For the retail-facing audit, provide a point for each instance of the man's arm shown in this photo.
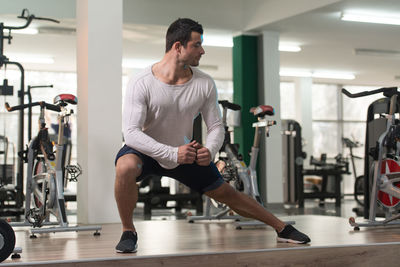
(215, 130)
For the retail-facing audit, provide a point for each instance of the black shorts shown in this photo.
(198, 178)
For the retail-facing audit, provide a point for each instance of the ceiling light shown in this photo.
(371, 18)
(218, 41)
(333, 75)
(289, 48)
(227, 41)
(377, 52)
(295, 73)
(317, 74)
(27, 58)
(30, 31)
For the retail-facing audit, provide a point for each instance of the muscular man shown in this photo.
(160, 106)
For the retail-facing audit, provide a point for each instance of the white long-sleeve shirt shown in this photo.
(158, 117)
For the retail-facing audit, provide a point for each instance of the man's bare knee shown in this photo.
(128, 167)
(224, 193)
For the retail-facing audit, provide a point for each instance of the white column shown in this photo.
(99, 58)
(303, 108)
(270, 95)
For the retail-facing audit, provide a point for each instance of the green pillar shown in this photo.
(245, 89)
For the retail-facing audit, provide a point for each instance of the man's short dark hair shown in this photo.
(181, 31)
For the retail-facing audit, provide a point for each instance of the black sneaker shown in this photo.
(128, 243)
(290, 234)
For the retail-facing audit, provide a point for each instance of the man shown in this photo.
(160, 105)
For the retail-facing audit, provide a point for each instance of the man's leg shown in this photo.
(128, 168)
(245, 205)
(248, 207)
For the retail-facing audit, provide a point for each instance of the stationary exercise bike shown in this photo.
(234, 170)
(45, 179)
(228, 170)
(385, 187)
(17, 191)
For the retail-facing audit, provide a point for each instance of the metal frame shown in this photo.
(52, 180)
(246, 174)
(381, 181)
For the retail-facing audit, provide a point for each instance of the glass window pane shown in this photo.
(287, 100)
(355, 131)
(325, 137)
(324, 102)
(225, 90)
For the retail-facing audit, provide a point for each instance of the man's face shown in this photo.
(193, 51)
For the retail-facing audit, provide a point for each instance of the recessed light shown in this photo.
(371, 18)
(376, 52)
(289, 47)
(30, 58)
(317, 74)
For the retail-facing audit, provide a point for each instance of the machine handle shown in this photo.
(229, 105)
(40, 103)
(385, 90)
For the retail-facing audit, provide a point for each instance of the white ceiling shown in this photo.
(327, 42)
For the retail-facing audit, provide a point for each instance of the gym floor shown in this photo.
(311, 207)
(169, 240)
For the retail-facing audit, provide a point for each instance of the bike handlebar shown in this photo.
(229, 105)
(27, 16)
(385, 90)
(40, 103)
(48, 19)
(28, 19)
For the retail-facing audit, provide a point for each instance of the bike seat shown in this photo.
(63, 99)
(262, 110)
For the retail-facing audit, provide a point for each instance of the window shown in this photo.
(287, 101)
(325, 119)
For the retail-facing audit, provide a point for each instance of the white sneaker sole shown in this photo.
(133, 251)
(285, 240)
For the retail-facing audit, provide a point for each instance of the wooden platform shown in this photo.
(178, 243)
